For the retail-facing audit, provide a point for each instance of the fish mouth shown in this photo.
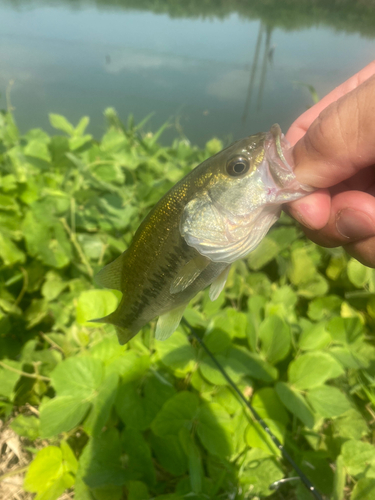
(278, 152)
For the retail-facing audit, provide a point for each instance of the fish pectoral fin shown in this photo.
(219, 283)
(168, 322)
(189, 273)
(110, 275)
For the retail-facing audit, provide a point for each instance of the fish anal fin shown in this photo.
(168, 322)
(189, 273)
(110, 275)
(219, 283)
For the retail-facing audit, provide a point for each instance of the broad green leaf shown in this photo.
(314, 337)
(93, 304)
(214, 428)
(259, 472)
(257, 437)
(351, 425)
(274, 335)
(192, 452)
(358, 458)
(177, 353)
(102, 405)
(139, 464)
(170, 454)
(137, 490)
(358, 274)
(324, 307)
(100, 463)
(78, 377)
(9, 378)
(328, 401)
(178, 412)
(132, 407)
(295, 403)
(345, 330)
(26, 426)
(267, 403)
(364, 489)
(312, 370)
(9, 252)
(50, 474)
(61, 414)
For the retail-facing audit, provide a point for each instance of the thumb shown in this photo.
(340, 142)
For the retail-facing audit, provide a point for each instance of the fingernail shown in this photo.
(354, 225)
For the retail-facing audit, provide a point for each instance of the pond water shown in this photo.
(226, 76)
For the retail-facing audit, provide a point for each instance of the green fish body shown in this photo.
(214, 216)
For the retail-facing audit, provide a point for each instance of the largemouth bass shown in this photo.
(214, 216)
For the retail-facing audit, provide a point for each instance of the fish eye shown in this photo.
(238, 166)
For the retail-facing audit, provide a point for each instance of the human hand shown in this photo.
(335, 153)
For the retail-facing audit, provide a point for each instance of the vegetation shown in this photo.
(342, 15)
(155, 419)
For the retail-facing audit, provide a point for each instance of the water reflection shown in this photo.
(227, 69)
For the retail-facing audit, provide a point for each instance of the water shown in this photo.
(77, 59)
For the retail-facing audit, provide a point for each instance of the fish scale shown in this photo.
(215, 215)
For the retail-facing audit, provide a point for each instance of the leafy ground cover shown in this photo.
(86, 418)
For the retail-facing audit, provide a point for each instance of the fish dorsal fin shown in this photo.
(189, 273)
(219, 283)
(168, 322)
(110, 275)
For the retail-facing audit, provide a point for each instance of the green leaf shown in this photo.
(274, 335)
(177, 353)
(313, 369)
(358, 274)
(93, 304)
(139, 463)
(259, 472)
(364, 489)
(61, 123)
(328, 401)
(102, 405)
(170, 454)
(178, 412)
(62, 414)
(214, 429)
(257, 437)
(9, 378)
(26, 426)
(78, 377)
(100, 464)
(194, 459)
(358, 457)
(351, 425)
(324, 307)
(267, 403)
(9, 252)
(132, 408)
(50, 474)
(137, 491)
(295, 403)
(314, 337)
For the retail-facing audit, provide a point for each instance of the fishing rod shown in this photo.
(307, 483)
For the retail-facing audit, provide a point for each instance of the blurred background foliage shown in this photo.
(95, 420)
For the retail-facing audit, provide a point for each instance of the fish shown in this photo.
(215, 215)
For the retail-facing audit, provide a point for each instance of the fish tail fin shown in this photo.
(124, 334)
(110, 275)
